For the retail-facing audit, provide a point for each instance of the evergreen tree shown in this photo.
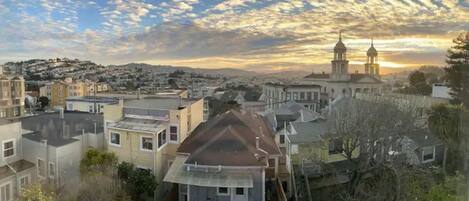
(458, 69)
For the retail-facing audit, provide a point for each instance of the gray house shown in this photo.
(423, 148)
(233, 157)
(56, 142)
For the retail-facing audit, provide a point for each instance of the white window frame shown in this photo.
(10, 189)
(223, 194)
(423, 155)
(28, 177)
(39, 170)
(158, 140)
(110, 139)
(169, 135)
(14, 148)
(152, 143)
(48, 169)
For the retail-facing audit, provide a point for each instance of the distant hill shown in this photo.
(212, 71)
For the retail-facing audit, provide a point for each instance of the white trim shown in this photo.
(223, 194)
(11, 189)
(14, 148)
(48, 169)
(158, 140)
(110, 139)
(141, 143)
(177, 134)
(38, 170)
(423, 155)
(22, 177)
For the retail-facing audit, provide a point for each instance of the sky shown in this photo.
(258, 35)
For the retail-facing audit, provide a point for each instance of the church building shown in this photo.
(340, 83)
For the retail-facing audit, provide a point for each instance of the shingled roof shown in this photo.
(230, 140)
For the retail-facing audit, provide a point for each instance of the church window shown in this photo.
(308, 95)
(302, 95)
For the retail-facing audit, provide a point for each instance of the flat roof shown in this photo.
(168, 103)
(145, 125)
(60, 131)
(98, 99)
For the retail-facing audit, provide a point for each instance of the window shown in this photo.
(282, 139)
(173, 133)
(161, 138)
(51, 169)
(41, 168)
(115, 139)
(316, 95)
(146, 143)
(335, 146)
(3, 113)
(302, 95)
(223, 191)
(288, 95)
(5, 191)
(24, 181)
(8, 148)
(239, 191)
(308, 95)
(295, 95)
(428, 154)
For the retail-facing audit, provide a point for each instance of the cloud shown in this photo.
(235, 33)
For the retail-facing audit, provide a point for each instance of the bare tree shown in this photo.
(374, 128)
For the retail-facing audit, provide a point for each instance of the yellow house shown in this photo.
(147, 132)
(57, 92)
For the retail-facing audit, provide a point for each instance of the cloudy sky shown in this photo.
(260, 35)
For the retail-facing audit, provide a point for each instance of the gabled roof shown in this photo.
(308, 132)
(424, 138)
(230, 140)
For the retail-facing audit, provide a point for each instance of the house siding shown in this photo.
(197, 193)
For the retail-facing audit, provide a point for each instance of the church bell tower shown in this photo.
(339, 66)
(371, 65)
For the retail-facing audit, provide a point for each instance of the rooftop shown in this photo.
(98, 99)
(308, 132)
(167, 103)
(145, 125)
(58, 131)
(230, 140)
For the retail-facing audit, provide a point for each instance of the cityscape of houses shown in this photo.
(205, 136)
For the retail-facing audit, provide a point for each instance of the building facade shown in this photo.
(12, 96)
(148, 131)
(59, 91)
(15, 171)
(340, 83)
(275, 95)
(90, 104)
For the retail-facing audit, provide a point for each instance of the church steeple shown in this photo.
(372, 66)
(340, 63)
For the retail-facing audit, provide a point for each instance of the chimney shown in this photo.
(257, 142)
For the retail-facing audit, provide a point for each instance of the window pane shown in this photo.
(115, 138)
(239, 191)
(222, 190)
(173, 129)
(147, 143)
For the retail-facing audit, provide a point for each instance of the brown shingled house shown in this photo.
(232, 157)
